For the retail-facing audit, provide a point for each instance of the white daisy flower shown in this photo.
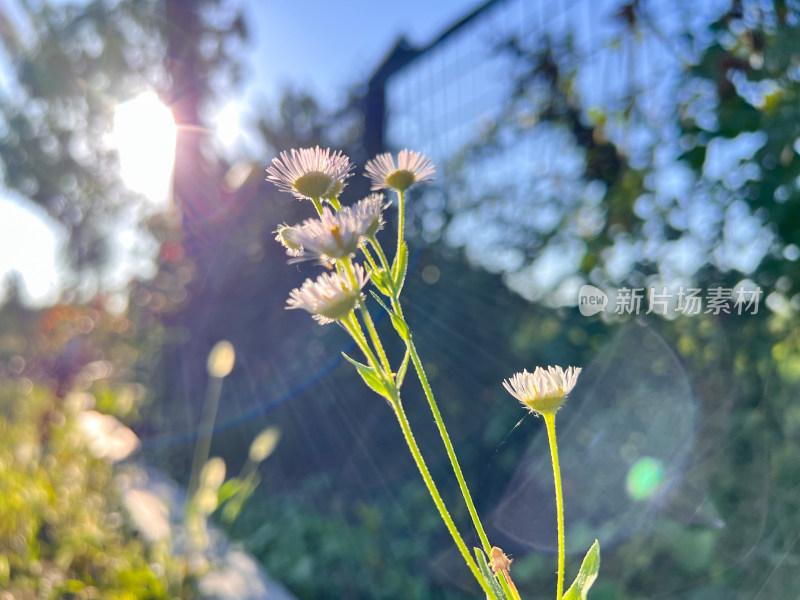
(329, 298)
(544, 390)
(369, 211)
(285, 236)
(334, 234)
(412, 167)
(310, 172)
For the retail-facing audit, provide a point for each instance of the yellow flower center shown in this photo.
(337, 236)
(401, 180)
(313, 185)
(545, 404)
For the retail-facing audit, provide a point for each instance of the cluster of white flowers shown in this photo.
(320, 174)
(334, 237)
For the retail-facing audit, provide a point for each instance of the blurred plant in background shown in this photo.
(65, 530)
(82, 519)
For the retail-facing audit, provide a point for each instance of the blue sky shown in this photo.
(326, 47)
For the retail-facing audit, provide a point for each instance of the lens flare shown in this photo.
(144, 135)
(645, 478)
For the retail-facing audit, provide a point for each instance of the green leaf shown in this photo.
(381, 281)
(401, 372)
(381, 302)
(399, 324)
(72, 586)
(490, 578)
(370, 377)
(233, 507)
(228, 489)
(587, 574)
(399, 267)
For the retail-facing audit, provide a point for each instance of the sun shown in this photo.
(144, 135)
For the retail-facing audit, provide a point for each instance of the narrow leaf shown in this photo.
(370, 377)
(401, 371)
(399, 324)
(399, 267)
(233, 507)
(587, 575)
(229, 489)
(381, 302)
(490, 577)
(382, 281)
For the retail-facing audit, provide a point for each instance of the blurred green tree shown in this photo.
(72, 64)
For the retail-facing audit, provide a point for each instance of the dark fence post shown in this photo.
(400, 56)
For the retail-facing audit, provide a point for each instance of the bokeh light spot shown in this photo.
(644, 478)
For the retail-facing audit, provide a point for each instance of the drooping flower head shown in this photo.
(544, 390)
(369, 211)
(329, 298)
(333, 235)
(412, 167)
(310, 172)
(285, 235)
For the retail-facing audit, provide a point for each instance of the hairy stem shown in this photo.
(448, 444)
(373, 333)
(381, 254)
(373, 265)
(550, 424)
(401, 218)
(437, 498)
(354, 329)
(437, 416)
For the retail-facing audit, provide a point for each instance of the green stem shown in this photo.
(401, 218)
(376, 341)
(437, 416)
(205, 431)
(437, 499)
(381, 254)
(335, 202)
(354, 329)
(550, 423)
(373, 265)
(395, 301)
(448, 444)
(317, 205)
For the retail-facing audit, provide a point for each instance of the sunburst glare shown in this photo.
(144, 135)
